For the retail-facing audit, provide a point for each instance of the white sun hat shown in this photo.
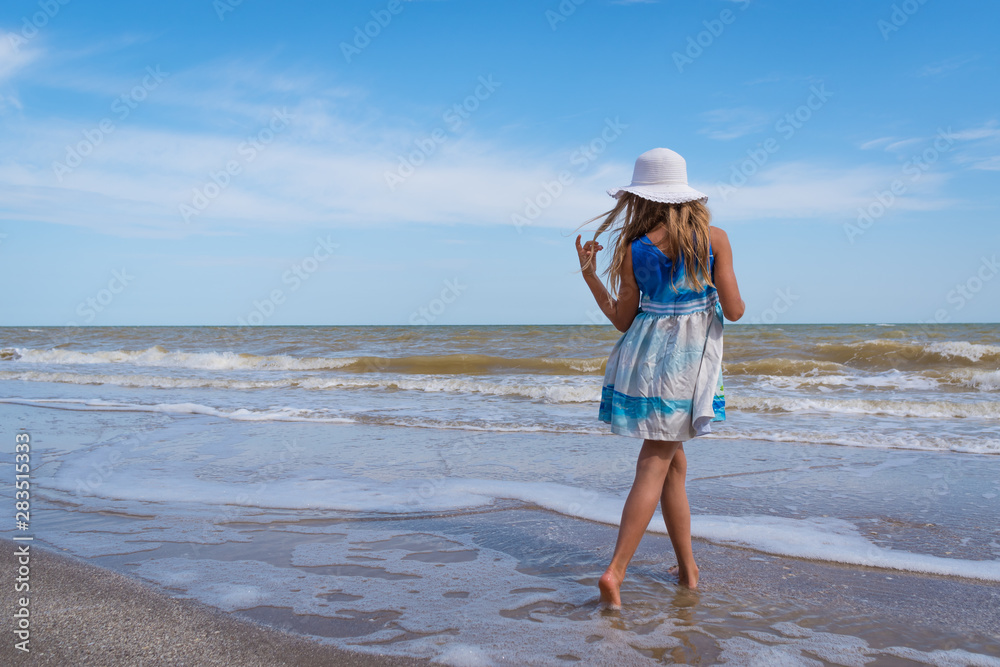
(661, 175)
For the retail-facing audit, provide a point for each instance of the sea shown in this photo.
(447, 492)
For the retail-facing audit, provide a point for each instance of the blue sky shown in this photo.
(203, 162)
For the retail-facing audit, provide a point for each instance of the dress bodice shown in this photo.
(658, 277)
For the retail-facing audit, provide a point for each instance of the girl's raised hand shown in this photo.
(588, 255)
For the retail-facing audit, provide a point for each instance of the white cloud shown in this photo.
(875, 143)
(14, 56)
(947, 65)
(903, 143)
(986, 131)
(991, 163)
(806, 191)
(733, 123)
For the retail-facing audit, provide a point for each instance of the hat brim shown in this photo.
(672, 194)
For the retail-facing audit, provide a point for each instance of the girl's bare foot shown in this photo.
(688, 579)
(610, 584)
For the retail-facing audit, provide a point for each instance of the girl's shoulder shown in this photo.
(718, 237)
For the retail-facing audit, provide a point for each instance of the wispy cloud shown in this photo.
(982, 145)
(733, 123)
(776, 77)
(944, 66)
(903, 144)
(875, 143)
(13, 57)
(991, 163)
(987, 131)
(813, 192)
(969, 148)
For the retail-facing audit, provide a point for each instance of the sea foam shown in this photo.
(184, 483)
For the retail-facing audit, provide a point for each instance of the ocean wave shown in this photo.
(894, 408)
(966, 350)
(890, 353)
(448, 364)
(869, 439)
(887, 380)
(743, 358)
(552, 393)
(988, 381)
(310, 415)
(239, 414)
(782, 366)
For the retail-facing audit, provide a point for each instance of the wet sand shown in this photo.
(87, 615)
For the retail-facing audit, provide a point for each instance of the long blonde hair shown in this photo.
(687, 228)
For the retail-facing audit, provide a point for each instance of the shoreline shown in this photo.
(87, 614)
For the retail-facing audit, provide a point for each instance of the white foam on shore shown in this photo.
(793, 644)
(830, 539)
(302, 483)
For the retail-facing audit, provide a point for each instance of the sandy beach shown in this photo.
(87, 615)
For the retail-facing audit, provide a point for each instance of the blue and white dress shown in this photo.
(664, 376)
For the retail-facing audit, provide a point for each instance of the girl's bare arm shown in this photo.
(620, 311)
(724, 276)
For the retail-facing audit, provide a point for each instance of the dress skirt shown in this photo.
(663, 379)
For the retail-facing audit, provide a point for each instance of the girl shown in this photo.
(673, 277)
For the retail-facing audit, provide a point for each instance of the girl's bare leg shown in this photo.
(650, 476)
(677, 517)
